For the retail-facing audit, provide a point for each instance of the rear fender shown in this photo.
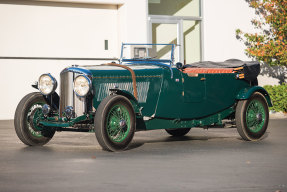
(247, 92)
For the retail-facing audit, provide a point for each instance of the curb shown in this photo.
(277, 115)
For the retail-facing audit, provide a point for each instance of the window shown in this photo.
(178, 22)
(174, 7)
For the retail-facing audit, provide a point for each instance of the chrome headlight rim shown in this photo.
(54, 83)
(89, 85)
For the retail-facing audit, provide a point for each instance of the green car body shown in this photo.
(166, 97)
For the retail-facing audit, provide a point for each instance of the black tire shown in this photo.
(254, 126)
(24, 124)
(103, 123)
(178, 132)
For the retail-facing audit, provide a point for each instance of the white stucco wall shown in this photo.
(124, 21)
(68, 31)
(221, 19)
(51, 31)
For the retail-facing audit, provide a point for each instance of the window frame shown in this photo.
(167, 19)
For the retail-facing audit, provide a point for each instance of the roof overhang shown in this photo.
(111, 2)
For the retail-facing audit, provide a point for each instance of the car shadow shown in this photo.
(137, 142)
(140, 142)
(38, 149)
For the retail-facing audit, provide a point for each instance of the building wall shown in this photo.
(221, 19)
(61, 30)
(65, 28)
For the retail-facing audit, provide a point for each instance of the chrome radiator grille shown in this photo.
(67, 95)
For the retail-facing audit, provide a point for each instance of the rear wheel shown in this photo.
(26, 121)
(252, 117)
(178, 132)
(115, 123)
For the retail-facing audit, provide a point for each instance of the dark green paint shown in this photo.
(194, 97)
(215, 119)
(246, 92)
(116, 75)
(133, 100)
(62, 122)
(172, 100)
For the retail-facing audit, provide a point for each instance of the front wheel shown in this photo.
(26, 121)
(115, 123)
(252, 117)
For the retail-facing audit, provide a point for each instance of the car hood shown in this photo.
(139, 69)
(104, 78)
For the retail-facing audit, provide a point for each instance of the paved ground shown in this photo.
(213, 160)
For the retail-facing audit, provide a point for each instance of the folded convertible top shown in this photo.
(251, 69)
(231, 63)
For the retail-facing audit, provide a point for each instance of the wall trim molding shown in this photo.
(113, 2)
(98, 4)
(59, 58)
(105, 2)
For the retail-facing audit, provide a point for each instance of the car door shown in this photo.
(194, 87)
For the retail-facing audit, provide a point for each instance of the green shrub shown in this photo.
(278, 94)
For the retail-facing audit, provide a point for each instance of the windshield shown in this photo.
(148, 52)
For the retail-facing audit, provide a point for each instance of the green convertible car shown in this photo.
(146, 90)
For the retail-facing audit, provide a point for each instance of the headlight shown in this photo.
(82, 85)
(47, 84)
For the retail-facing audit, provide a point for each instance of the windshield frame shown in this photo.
(168, 62)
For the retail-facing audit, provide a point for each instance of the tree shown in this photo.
(269, 45)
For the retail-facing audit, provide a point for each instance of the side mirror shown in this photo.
(179, 65)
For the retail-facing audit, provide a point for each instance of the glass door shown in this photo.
(192, 41)
(186, 34)
(167, 32)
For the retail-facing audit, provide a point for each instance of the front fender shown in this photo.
(247, 92)
(132, 99)
(53, 99)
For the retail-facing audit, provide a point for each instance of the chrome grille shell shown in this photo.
(67, 94)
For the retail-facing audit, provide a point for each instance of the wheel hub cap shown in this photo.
(122, 123)
(259, 117)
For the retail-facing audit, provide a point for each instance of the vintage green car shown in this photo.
(146, 90)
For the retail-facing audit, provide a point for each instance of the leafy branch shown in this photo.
(269, 45)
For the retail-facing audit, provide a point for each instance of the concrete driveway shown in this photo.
(204, 160)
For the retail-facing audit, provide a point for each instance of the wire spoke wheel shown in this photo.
(252, 117)
(26, 121)
(255, 116)
(115, 123)
(118, 123)
(33, 117)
